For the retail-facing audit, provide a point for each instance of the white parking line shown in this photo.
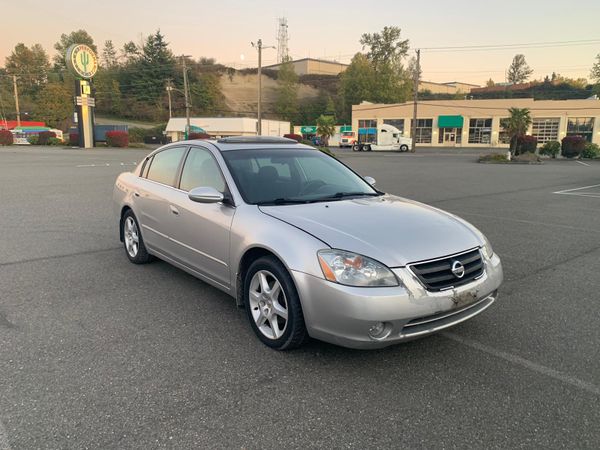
(580, 194)
(566, 191)
(107, 164)
(547, 371)
(3, 438)
(581, 162)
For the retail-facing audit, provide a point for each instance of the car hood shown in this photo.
(390, 229)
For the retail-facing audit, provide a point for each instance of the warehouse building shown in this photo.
(479, 123)
(312, 66)
(219, 127)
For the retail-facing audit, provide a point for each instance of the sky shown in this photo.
(330, 29)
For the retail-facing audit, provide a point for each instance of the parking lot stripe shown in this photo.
(547, 371)
(3, 438)
(566, 191)
(581, 162)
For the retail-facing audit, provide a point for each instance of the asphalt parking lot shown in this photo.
(96, 352)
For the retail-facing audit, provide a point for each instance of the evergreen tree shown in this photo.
(287, 92)
(109, 58)
(519, 71)
(54, 105)
(30, 65)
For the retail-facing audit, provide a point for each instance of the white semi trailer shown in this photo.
(389, 138)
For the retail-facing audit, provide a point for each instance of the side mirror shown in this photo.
(205, 195)
(370, 180)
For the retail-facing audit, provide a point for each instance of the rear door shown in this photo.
(154, 190)
(201, 231)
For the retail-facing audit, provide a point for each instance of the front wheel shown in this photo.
(273, 305)
(132, 240)
(404, 148)
(356, 148)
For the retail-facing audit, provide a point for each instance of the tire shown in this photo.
(368, 148)
(132, 240)
(404, 148)
(356, 148)
(265, 313)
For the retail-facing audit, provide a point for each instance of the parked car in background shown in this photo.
(306, 245)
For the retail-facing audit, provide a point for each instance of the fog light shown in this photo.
(379, 331)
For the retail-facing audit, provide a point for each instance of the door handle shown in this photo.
(174, 210)
(137, 194)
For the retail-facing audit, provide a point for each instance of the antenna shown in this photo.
(282, 40)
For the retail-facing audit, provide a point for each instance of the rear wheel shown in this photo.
(273, 306)
(132, 240)
(367, 148)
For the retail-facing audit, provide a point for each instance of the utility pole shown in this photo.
(413, 130)
(17, 100)
(169, 89)
(186, 93)
(259, 47)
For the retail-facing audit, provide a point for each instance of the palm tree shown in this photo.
(325, 128)
(517, 125)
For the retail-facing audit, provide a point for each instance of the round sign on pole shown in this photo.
(82, 61)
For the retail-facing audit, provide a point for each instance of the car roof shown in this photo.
(254, 143)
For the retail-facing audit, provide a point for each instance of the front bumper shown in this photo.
(343, 315)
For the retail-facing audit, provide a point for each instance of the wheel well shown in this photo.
(249, 257)
(123, 211)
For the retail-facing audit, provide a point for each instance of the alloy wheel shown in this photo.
(132, 238)
(268, 304)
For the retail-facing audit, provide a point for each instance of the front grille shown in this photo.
(437, 275)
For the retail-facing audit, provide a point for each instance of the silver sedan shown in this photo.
(304, 244)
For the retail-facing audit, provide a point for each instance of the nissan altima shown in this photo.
(304, 244)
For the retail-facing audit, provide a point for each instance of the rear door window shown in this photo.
(165, 165)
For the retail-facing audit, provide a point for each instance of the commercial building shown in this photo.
(479, 123)
(310, 131)
(452, 87)
(218, 127)
(312, 66)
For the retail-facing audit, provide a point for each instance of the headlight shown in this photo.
(488, 252)
(354, 270)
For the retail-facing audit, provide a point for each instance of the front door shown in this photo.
(450, 136)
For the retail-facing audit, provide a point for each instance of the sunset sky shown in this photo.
(330, 30)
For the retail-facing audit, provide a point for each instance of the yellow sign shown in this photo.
(82, 60)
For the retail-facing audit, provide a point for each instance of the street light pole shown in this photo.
(187, 98)
(259, 47)
(416, 75)
(169, 89)
(17, 100)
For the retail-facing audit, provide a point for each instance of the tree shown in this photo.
(385, 48)
(356, 84)
(517, 125)
(30, 65)
(490, 83)
(414, 69)
(595, 75)
(325, 128)
(286, 104)
(54, 105)
(108, 93)
(156, 64)
(66, 40)
(519, 71)
(109, 58)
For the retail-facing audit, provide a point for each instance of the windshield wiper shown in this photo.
(340, 195)
(283, 201)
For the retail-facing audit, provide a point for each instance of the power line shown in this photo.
(509, 46)
(427, 103)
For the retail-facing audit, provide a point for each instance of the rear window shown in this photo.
(165, 164)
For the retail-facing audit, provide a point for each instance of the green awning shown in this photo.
(345, 128)
(450, 121)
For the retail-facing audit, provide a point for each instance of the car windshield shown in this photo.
(288, 176)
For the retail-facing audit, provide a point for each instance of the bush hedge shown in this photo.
(526, 144)
(6, 137)
(494, 157)
(550, 148)
(198, 136)
(572, 146)
(44, 136)
(296, 137)
(33, 140)
(591, 151)
(117, 138)
(54, 141)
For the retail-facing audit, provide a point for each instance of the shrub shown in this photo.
(572, 146)
(54, 141)
(550, 148)
(33, 140)
(494, 157)
(74, 139)
(6, 137)
(117, 138)
(296, 137)
(192, 136)
(526, 144)
(591, 151)
(44, 136)
(137, 134)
